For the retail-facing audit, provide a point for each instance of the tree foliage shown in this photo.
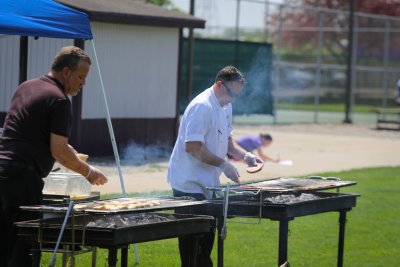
(163, 3)
(168, 4)
(382, 7)
(299, 25)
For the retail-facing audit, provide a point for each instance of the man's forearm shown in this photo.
(66, 155)
(200, 152)
(235, 150)
(71, 161)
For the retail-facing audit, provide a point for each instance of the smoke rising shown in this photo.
(137, 154)
(256, 97)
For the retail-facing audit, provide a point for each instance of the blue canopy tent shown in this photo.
(46, 18)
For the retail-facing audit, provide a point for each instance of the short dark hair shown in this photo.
(267, 137)
(71, 57)
(230, 74)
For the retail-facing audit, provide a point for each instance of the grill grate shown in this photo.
(289, 185)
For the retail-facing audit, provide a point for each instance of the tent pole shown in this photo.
(110, 128)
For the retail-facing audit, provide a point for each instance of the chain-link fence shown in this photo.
(310, 52)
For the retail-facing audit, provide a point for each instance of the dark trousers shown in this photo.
(17, 187)
(205, 243)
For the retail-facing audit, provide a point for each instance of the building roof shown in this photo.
(133, 12)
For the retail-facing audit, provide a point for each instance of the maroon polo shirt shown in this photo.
(39, 107)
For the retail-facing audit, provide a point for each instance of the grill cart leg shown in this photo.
(342, 225)
(94, 256)
(36, 255)
(135, 249)
(220, 256)
(65, 256)
(112, 257)
(124, 256)
(194, 247)
(220, 251)
(283, 241)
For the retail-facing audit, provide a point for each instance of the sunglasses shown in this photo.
(231, 93)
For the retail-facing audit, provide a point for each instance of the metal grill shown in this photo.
(282, 199)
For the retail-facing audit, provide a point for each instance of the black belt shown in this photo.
(16, 164)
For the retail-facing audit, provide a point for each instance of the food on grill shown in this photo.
(291, 184)
(129, 220)
(81, 206)
(119, 204)
(77, 197)
(256, 168)
(291, 198)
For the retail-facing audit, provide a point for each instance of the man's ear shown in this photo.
(66, 72)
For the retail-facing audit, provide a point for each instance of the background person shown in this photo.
(204, 140)
(397, 98)
(257, 143)
(35, 134)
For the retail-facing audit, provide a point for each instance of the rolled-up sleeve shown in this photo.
(198, 119)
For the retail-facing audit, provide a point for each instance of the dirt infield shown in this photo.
(313, 149)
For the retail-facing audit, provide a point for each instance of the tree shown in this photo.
(336, 24)
(163, 3)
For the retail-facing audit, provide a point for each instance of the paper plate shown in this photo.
(254, 169)
(286, 162)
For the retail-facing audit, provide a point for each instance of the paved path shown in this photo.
(312, 148)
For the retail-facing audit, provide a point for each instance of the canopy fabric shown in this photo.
(43, 18)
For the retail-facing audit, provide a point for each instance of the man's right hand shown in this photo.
(96, 177)
(230, 171)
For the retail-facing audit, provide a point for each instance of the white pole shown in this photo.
(110, 128)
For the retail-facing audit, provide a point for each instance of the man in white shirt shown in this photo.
(204, 140)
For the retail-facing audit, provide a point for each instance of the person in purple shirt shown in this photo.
(252, 142)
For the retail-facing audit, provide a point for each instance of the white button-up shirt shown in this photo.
(204, 120)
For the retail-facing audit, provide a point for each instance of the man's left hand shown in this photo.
(251, 159)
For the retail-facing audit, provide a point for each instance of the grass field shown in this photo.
(326, 107)
(372, 232)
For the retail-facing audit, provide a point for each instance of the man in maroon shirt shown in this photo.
(36, 131)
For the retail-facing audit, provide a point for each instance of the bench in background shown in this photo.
(388, 118)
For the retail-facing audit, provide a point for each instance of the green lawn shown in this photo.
(325, 107)
(372, 232)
